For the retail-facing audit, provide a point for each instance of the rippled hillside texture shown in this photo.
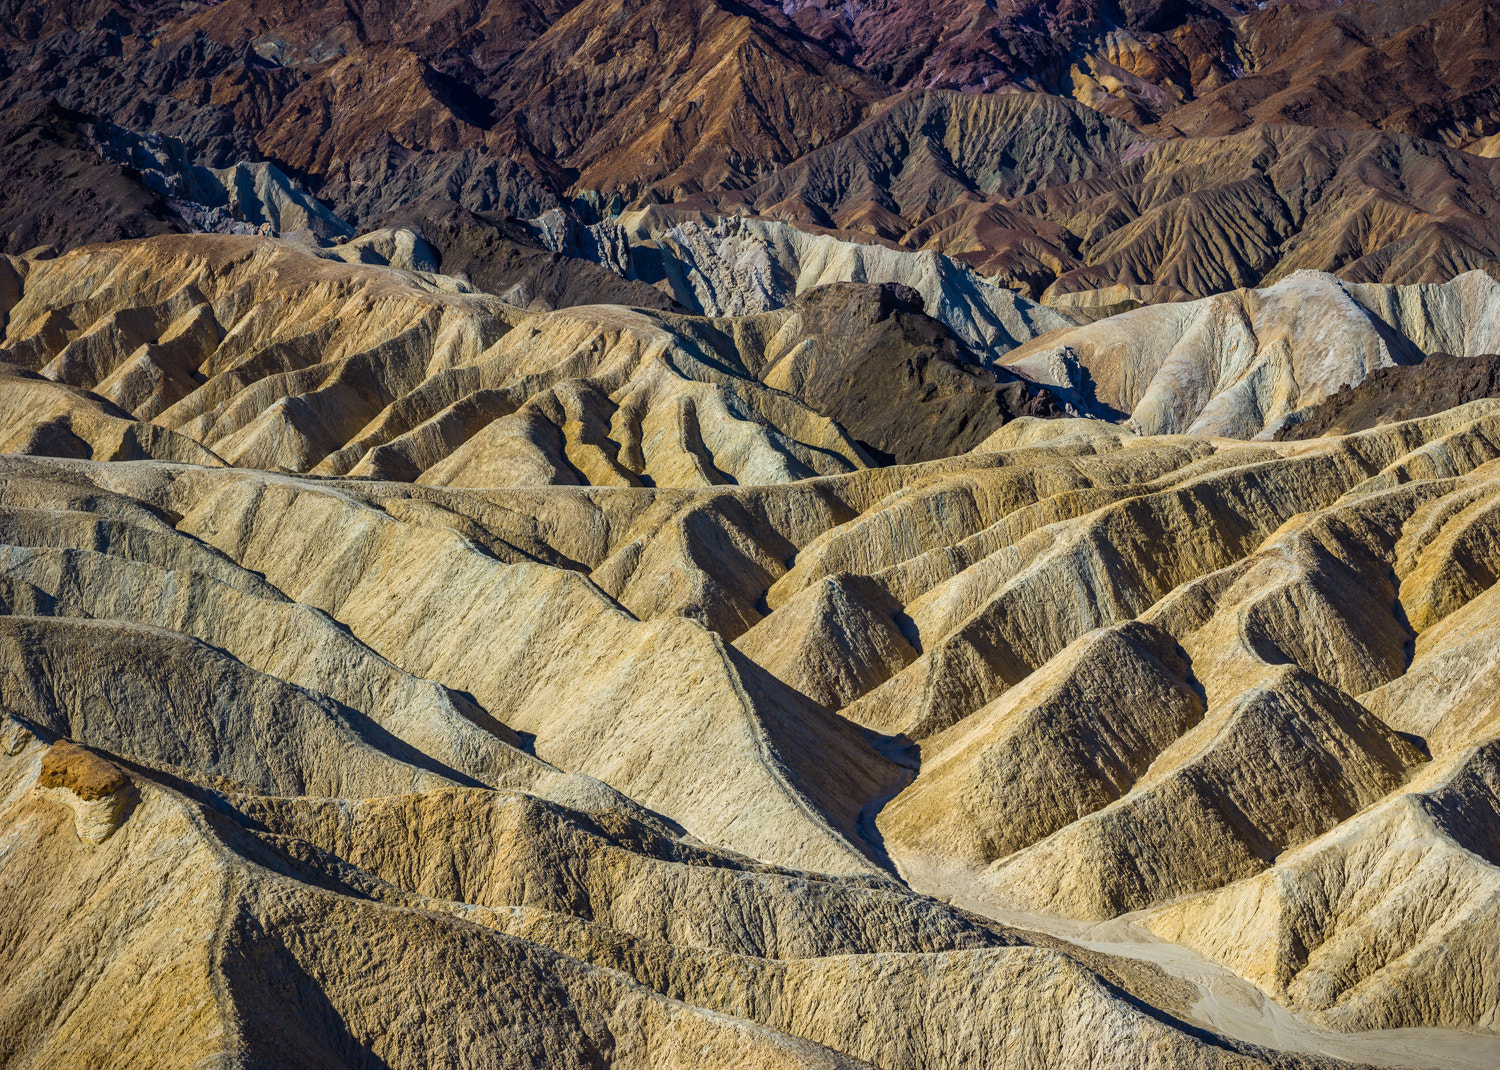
(659, 534)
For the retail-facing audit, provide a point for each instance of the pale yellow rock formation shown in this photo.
(472, 768)
(462, 925)
(1240, 363)
(353, 360)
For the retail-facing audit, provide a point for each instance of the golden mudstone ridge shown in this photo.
(1176, 747)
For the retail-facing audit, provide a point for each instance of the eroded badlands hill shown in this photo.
(360, 360)
(1061, 742)
(270, 354)
(693, 533)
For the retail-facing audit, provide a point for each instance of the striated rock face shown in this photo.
(1388, 395)
(1412, 66)
(901, 534)
(1202, 215)
(735, 267)
(896, 379)
(502, 257)
(1058, 147)
(544, 775)
(251, 952)
(359, 360)
(272, 355)
(934, 169)
(1242, 363)
(316, 829)
(55, 189)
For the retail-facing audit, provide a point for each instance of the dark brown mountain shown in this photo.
(1389, 395)
(1150, 52)
(920, 153)
(827, 116)
(896, 379)
(499, 255)
(1196, 67)
(55, 189)
(1182, 218)
(494, 104)
(1199, 216)
(1421, 67)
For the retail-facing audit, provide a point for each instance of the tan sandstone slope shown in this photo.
(1240, 363)
(340, 834)
(273, 355)
(1083, 748)
(357, 360)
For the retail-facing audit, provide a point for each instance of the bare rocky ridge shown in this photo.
(57, 190)
(272, 354)
(502, 257)
(1193, 147)
(1241, 363)
(1388, 395)
(1200, 216)
(908, 534)
(894, 378)
(659, 760)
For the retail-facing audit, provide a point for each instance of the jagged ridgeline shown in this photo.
(597, 683)
(703, 534)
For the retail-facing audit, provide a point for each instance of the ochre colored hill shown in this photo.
(419, 729)
(271, 354)
(599, 657)
(908, 534)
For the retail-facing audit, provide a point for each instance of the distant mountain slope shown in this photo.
(845, 120)
(1202, 216)
(270, 354)
(1420, 67)
(921, 152)
(1239, 363)
(1388, 395)
(56, 189)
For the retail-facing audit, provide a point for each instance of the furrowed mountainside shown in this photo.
(602, 662)
(340, 361)
(264, 354)
(668, 534)
(1388, 395)
(1156, 175)
(1240, 364)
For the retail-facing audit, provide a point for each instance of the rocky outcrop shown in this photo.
(504, 257)
(97, 791)
(55, 188)
(1240, 364)
(895, 379)
(1403, 392)
(241, 198)
(735, 267)
(279, 355)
